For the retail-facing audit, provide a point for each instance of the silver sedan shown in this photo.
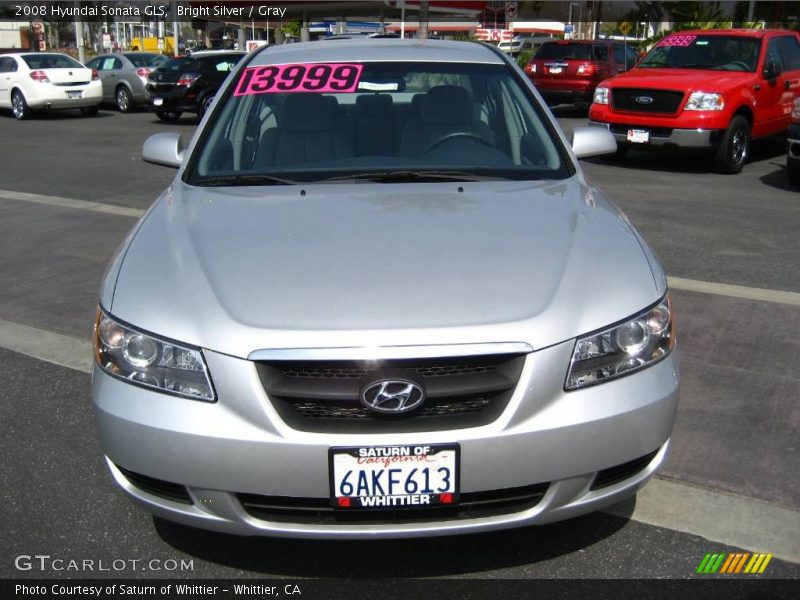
(124, 76)
(381, 299)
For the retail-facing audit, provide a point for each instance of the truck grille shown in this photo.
(662, 101)
(324, 396)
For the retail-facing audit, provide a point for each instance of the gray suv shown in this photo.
(381, 299)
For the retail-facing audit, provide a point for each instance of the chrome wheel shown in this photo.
(123, 100)
(206, 105)
(739, 146)
(18, 105)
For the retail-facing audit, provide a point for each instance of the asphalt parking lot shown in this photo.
(70, 189)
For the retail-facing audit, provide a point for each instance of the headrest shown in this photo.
(450, 104)
(416, 105)
(374, 105)
(305, 113)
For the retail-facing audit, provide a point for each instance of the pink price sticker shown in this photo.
(311, 77)
(678, 40)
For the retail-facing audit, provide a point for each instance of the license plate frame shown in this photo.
(74, 94)
(639, 136)
(556, 70)
(443, 455)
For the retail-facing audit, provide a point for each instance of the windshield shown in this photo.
(179, 65)
(146, 60)
(51, 61)
(389, 121)
(560, 50)
(715, 52)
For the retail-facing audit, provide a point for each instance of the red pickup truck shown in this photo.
(711, 89)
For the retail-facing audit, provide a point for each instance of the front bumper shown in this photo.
(239, 445)
(666, 137)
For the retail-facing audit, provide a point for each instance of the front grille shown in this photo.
(324, 396)
(664, 101)
(612, 475)
(158, 487)
(472, 505)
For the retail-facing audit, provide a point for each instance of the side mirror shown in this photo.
(593, 141)
(772, 70)
(164, 149)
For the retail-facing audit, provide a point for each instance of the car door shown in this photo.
(602, 56)
(108, 75)
(789, 80)
(772, 92)
(8, 68)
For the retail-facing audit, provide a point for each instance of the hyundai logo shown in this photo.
(644, 99)
(392, 396)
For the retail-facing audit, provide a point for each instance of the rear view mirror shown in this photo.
(164, 149)
(593, 141)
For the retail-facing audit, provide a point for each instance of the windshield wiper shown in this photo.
(399, 176)
(234, 180)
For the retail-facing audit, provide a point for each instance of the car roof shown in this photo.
(210, 53)
(378, 50)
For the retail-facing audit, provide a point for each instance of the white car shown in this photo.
(47, 81)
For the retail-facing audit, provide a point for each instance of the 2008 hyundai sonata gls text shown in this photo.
(381, 299)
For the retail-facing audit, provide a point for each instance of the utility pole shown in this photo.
(422, 32)
(79, 34)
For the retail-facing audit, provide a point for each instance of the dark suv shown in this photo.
(569, 70)
(188, 83)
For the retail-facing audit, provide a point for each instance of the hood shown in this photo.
(682, 80)
(241, 269)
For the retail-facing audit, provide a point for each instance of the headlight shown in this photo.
(151, 362)
(600, 95)
(705, 101)
(637, 343)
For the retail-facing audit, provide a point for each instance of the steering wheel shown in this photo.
(739, 63)
(457, 135)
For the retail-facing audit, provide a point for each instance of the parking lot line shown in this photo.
(734, 291)
(729, 519)
(48, 346)
(718, 517)
(112, 209)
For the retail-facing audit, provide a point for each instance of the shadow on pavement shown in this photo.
(687, 161)
(426, 557)
(779, 179)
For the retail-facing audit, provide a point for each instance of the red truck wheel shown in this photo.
(734, 148)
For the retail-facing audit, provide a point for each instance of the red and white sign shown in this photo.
(494, 35)
(251, 45)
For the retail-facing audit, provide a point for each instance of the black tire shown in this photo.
(734, 149)
(19, 106)
(169, 116)
(124, 99)
(793, 172)
(205, 104)
(89, 111)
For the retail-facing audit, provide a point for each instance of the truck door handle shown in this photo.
(756, 86)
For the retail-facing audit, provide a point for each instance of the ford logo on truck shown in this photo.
(644, 99)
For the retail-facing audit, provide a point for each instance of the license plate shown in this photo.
(638, 136)
(394, 477)
(556, 70)
(76, 94)
(158, 101)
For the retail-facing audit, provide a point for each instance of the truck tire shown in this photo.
(734, 148)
